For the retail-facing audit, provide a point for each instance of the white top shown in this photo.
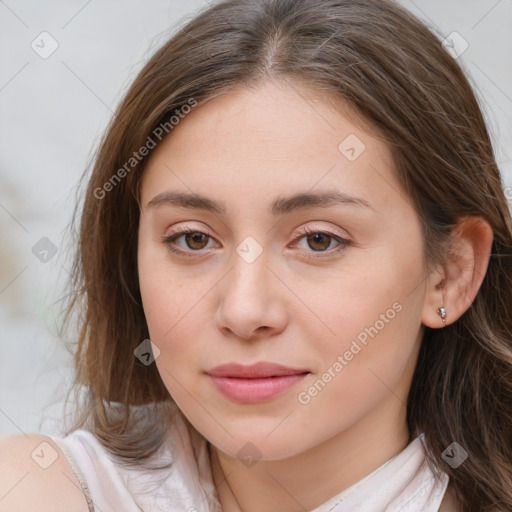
(188, 485)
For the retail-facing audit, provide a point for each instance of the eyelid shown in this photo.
(308, 230)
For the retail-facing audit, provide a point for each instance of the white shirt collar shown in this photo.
(394, 486)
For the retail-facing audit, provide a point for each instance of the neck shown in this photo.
(308, 479)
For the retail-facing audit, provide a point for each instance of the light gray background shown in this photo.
(52, 113)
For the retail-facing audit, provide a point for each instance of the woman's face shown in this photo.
(342, 306)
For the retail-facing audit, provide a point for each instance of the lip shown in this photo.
(254, 383)
(258, 370)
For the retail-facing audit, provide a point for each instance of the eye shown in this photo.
(196, 240)
(319, 241)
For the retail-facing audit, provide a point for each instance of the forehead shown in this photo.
(263, 142)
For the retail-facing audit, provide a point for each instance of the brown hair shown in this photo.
(378, 58)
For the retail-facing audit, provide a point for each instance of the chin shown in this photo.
(259, 447)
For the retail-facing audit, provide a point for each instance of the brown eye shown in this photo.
(196, 240)
(319, 241)
(315, 241)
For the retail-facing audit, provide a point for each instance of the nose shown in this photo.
(251, 303)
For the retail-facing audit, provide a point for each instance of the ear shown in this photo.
(455, 285)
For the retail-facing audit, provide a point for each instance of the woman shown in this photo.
(294, 274)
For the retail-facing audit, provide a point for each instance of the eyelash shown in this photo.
(305, 231)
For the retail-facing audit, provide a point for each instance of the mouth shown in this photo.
(254, 383)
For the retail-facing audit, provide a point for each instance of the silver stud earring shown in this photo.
(442, 313)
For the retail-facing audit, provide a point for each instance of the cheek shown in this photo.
(158, 288)
(369, 356)
(374, 336)
(357, 297)
(168, 310)
(173, 323)
(374, 314)
(173, 303)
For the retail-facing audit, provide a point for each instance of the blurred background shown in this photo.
(65, 67)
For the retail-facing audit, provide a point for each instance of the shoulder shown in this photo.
(449, 503)
(35, 475)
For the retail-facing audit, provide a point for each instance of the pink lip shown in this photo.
(254, 383)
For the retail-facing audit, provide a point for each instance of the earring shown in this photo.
(442, 313)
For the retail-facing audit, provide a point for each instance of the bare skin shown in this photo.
(301, 302)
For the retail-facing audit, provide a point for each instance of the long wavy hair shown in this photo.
(393, 70)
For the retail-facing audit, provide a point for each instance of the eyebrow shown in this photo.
(280, 206)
